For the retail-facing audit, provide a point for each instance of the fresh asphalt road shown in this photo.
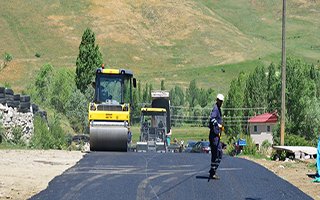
(131, 175)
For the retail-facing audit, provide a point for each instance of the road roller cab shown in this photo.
(109, 113)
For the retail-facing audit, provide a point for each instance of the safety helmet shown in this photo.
(220, 97)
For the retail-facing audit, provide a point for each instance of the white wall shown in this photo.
(261, 134)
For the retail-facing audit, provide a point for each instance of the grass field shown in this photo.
(181, 133)
(175, 41)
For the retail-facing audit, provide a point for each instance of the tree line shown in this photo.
(262, 88)
(69, 93)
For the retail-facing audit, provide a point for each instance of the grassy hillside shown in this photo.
(175, 41)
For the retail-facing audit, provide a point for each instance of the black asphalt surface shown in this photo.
(131, 175)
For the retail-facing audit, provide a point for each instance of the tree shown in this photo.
(255, 91)
(301, 94)
(42, 83)
(77, 111)
(162, 85)
(234, 120)
(139, 95)
(149, 93)
(273, 92)
(88, 60)
(192, 93)
(145, 94)
(203, 97)
(61, 88)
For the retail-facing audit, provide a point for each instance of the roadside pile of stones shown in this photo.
(17, 111)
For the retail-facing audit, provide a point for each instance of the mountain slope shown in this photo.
(175, 41)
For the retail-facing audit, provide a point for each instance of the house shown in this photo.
(261, 126)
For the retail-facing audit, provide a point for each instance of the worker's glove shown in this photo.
(221, 127)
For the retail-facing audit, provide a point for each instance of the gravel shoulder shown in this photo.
(25, 173)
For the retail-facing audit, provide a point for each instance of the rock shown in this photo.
(11, 118)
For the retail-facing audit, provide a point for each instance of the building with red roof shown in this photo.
(261, 126)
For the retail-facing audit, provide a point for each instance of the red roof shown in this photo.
(264, 118)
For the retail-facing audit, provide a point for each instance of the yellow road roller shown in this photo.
(109, 112)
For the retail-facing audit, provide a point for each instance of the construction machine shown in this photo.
(109, 113)
(153, 130)
(155, 123)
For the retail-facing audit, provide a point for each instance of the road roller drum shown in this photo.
(108, 138)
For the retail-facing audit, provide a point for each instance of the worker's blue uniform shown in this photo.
(214, 137)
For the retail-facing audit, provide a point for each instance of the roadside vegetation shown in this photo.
(66, 96)
(189, 40)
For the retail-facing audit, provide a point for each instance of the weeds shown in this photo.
(48, 136)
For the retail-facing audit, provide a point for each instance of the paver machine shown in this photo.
(153, 130)
(155, 123)
(109, 113)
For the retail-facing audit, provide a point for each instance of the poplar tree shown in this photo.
(192, 93)
(234, 120)
(88, 60)
(162, 87)
(255, 91)
(273, 91)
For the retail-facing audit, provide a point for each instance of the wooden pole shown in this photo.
(283, 78)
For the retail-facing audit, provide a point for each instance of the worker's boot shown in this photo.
(215, 176)
(212, 172)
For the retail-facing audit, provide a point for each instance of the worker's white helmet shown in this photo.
(220, 97)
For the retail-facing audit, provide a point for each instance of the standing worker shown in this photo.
(168, 137)
(129, 135)
(215, 125)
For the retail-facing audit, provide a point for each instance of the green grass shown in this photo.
(5, 145)
(184, 133)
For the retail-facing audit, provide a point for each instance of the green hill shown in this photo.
(175, 41)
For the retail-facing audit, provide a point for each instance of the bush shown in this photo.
(250, 148)
(278, 155)
(41, 138)
(48, 137)
(230, 147)
(1, 131)
(295, 140)
(60, 138)
(17, 134)
(77, 111)
(265, 147)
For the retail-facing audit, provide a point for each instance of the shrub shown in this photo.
(7, 57)
(250, 148)
(77, 111)
(61, 88)
(295, 140)
(59, 137)
(1, 131)
(230, 147)
(48, 137)
(281, 155)
(17, 134)
(265, 147)
(41, 138)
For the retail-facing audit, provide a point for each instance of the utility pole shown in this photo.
(283, 78)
